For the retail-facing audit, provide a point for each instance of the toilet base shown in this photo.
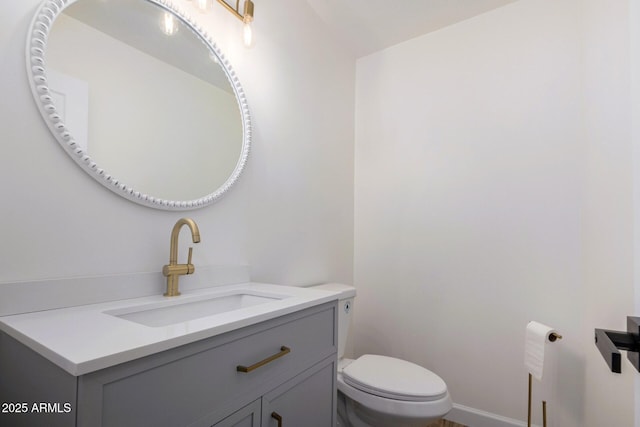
(353, 414)
(342, 412)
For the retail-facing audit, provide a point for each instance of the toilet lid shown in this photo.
(394, 379)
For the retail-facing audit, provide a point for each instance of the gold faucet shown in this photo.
(173, 270)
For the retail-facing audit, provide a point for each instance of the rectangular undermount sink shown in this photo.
(184, 309)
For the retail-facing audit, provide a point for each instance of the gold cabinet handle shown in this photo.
(277, 417)
(283, 350)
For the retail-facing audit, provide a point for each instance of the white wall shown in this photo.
(634, 13)
(493, 187)
(608, 206)
(58, 222)
(301, 204)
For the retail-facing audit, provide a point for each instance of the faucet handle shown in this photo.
(190, 255)
(190, 267)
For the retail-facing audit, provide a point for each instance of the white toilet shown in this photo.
(380, 391)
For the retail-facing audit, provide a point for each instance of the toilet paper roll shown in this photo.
(537, 336)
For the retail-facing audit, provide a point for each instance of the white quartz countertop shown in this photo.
(84, 339)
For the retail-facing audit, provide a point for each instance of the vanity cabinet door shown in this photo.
(249, 416)
(307, 400)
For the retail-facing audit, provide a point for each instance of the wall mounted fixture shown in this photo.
(246, 16)
(610, 342)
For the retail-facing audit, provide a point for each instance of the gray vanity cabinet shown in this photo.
(301, 401)
(199, 385)
(249, 416)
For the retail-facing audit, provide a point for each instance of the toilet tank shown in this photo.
(346, 295)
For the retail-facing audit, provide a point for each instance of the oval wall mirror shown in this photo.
(141, 98)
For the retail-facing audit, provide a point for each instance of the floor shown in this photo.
(444, 423)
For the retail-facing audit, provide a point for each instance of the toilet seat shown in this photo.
(393, 378)
(432, 409)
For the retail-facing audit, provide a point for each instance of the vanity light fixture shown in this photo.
(246, 16)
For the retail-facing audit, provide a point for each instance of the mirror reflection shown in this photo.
(145, 97)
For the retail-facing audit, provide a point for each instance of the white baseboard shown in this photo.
(476, 418)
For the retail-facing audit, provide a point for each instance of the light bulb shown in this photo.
(247, 18)
(247, 34)
(169, 25)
